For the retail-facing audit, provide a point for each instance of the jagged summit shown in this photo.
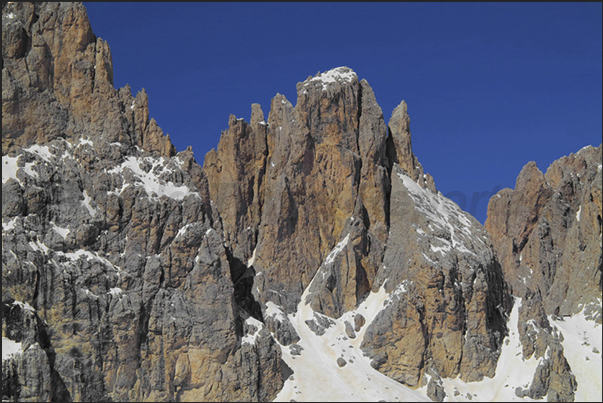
(310, 248)
(341, 75)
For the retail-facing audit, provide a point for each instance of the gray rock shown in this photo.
(282, 329)
(349, 330)
(296, 349)
(319, 323)
(436, 391)
(359, 321)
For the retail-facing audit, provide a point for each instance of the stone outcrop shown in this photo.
(448, 301)
(57, 82)
(325, 160)
(547, 233)
(553, 377)
(110, 237)
(132, 273)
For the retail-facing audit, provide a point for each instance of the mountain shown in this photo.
(309, 257)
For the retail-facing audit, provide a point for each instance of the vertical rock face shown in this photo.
(547, 233)
(109, 237)
(295, 180)
(132, 273)
(448, 298)
(57, 82)
(346, 208)
(326, 160)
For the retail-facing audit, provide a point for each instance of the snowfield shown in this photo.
(582, 348)
(318, 377)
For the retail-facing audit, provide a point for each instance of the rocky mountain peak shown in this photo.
(58, 83)
(400, 147)
(310, 246)
(339, 75)
(548, 227)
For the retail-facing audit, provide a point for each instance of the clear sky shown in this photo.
(489, 86)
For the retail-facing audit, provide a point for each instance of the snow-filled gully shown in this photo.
(318, 377)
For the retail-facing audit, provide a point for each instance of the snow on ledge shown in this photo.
(10, 348)
(25, 307)
(337, 249)
(275, 310)
(252, 337)
(153, 186)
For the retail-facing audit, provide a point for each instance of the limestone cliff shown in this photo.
(547, 236)
(324, 198)
(108, 236)
(547, 233)
(132, 273)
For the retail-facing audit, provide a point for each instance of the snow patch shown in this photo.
(441, 249)
(582, 348)
(251, 338)
(61, 231)
(25, 306)
(116, 292)
(150, 181)
(28, 169)
(41, 151)
(79, 254)
(578, 213)
(10, 348)
(39, 246)
(400, 289)
(9, 168)
(275, 310)
(86, 203)
(183, 230)
(341, 75)
(336, 250)
(252, 258)
(9, 225)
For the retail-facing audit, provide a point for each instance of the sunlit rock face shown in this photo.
(547, 233)
(310, 246)
(109, 237)
(346, 208)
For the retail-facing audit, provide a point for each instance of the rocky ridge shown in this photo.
(130, 272)
(109, 236)
(547, 235)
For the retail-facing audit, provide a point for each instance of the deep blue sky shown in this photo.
(489, 86)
